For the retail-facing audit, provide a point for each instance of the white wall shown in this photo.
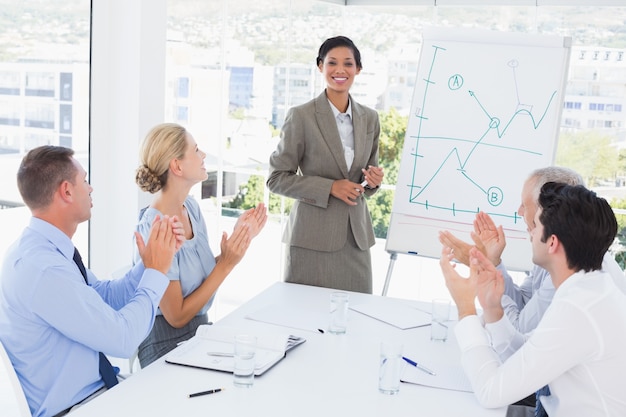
(127, 99)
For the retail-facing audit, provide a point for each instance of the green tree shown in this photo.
(619, 251)
(251, 193)
(238, 114)
(275, 131)
(392, 132)
(621, 162)
(590, 153)
(276, 201)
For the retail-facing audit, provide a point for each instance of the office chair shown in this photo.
(18, 403)
(133, 362)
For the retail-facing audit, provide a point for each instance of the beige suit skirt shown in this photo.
(348, 269)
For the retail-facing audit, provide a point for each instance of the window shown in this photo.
(233, 69)
(39, 116)
(65, 87)
(182, 114)
(9, 114)
(9, 83)
(65, 119)
(258, 35)
(44, 71)
(39, 84)
(183, 87)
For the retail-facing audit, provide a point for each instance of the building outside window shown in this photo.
(233, 69)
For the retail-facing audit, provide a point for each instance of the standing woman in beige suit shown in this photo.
(328, 148)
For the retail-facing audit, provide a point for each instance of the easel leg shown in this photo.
(392, 259)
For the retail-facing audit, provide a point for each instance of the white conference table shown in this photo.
(335, 375)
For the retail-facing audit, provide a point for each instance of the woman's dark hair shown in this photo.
(332, 43)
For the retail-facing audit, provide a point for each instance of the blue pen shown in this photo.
(418, 366)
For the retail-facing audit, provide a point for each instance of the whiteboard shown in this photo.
(485, 113)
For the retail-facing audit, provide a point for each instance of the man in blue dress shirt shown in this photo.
(55, 322)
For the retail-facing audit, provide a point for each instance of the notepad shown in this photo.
(300, 319)
(398, 314)
(446, 376)
(213, 346)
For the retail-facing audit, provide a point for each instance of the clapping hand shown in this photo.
(489, 285)
(458, 248)
(254, 218)
(178, 230)
(162, 244)
(489, 239)
(462, 289)
(233, 248)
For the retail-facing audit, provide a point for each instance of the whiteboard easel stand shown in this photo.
(392, 260)
(393, 256)
(482, 63)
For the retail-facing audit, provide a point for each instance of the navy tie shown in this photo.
(106, 369)
(539, 410)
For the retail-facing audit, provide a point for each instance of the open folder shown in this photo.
(213, 346)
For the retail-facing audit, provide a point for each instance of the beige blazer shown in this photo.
(308, 158)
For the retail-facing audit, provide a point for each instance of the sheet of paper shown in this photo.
(399, 314)
(448, 377)
(267, 340)
(205, 353)
(300, 319)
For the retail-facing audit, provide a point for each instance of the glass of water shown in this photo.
(245, 348)
(439, 325)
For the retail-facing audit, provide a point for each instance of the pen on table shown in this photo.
(211, 391)
(221, 354)
(418, 366)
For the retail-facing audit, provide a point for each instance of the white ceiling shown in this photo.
(479, 2)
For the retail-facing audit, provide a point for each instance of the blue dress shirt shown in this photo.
(53, 325)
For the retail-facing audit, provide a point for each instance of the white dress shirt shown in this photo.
(346, 131)
(525, 304)
(579, 348)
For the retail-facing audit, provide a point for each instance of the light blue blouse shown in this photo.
(194, 261)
